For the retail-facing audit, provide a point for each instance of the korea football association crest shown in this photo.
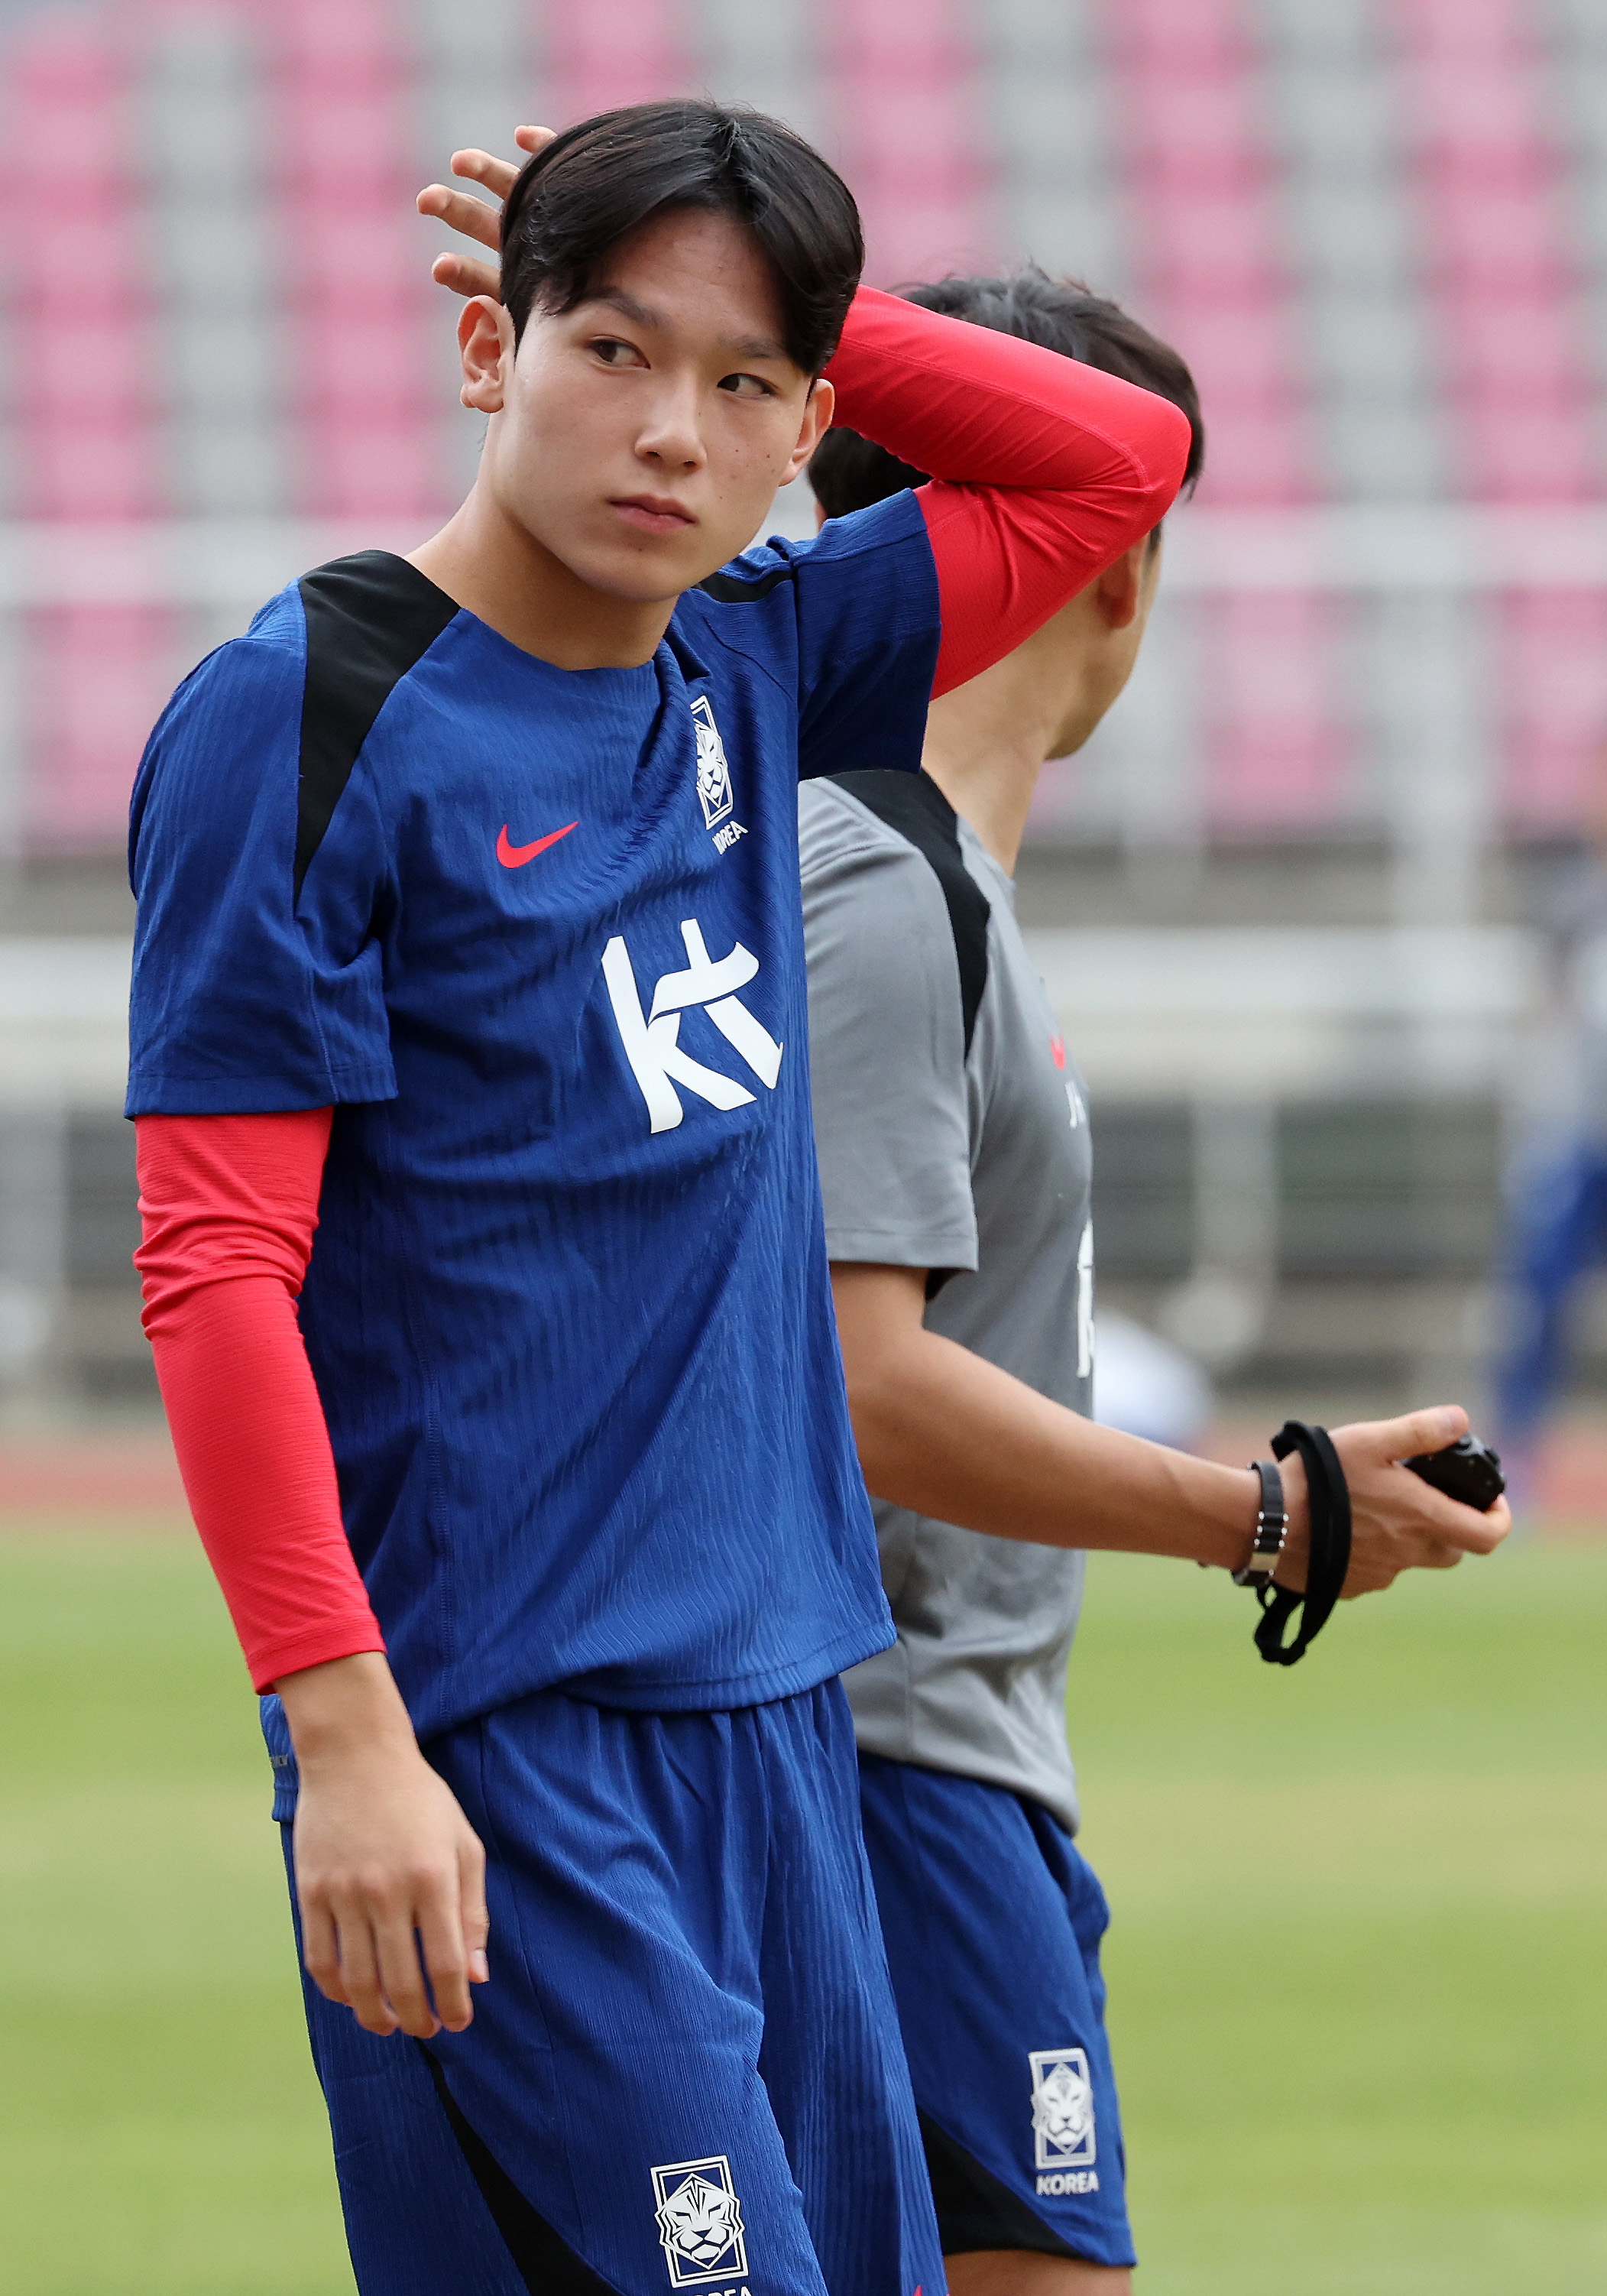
(700, 2221)
(1062, 2109)
(714, 774)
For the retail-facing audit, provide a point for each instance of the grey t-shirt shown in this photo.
(978, 1162)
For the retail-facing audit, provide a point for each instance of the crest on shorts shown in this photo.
(714, 774)
(1062, 2109)
(700, 2221)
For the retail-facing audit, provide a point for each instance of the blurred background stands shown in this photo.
(1286, 901)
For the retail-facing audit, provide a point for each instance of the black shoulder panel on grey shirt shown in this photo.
(916, 808)
(369, 619)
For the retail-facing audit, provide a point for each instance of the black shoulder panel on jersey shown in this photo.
(369, 619)
(916, 808)
(733, 590)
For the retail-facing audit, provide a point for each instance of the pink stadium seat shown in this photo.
(918, 153)
(360, 314)
(1222, 248)
(1278, 747)
(1553, 675)
(357, 35)
(1208, 234)
(1206, 229)
(1459, 33)
(337, 143)
(608, 51)
(84, 393)
(94, 469)
(1255, 462)
(99, 368)
(95, 678)
(1526, 452)
(1503, 278)
(368, 248)
(1501, 269)
(1533, 347)
(388, 466)
(903, 97)
(1198, 134)
(1246, 350)
(1506, 240)
(886, 38)
(1190, 36)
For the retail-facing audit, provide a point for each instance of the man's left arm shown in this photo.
(946, 1433)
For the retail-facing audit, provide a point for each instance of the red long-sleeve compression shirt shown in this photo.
(1044, 472)
(228, 1206)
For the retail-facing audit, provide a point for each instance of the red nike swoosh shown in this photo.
(515, 857)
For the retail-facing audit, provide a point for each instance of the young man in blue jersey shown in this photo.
(953, 1140)
(469, 941)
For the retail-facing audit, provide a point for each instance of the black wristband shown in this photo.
(1271, 1529)
(1328, 1506)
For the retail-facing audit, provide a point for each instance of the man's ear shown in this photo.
(485, 342)
(818, 409)
(1119, 589)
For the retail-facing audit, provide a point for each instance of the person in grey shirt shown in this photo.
(954, 1143)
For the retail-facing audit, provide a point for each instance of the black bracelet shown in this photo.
(1272, 1530)
(1328, 1506)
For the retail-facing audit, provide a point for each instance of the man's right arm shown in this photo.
(228, 1208)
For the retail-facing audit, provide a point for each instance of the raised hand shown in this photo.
(477, 220)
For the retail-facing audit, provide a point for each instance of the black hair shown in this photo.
(577, 199)
(848, 474)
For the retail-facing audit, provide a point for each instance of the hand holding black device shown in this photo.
(1466, 1470)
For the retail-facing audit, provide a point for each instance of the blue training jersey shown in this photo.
(535, 934)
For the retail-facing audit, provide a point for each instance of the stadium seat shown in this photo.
(368, 434)
(1193, 36)
(85, 409)
(94, 679)
(1198, 134)
(904, 96)
(1552, 679)
(1245, 349)
(611, 52)
(1276, 745)
(1223, 245)
(1499, 261)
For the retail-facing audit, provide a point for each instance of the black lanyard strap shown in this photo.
(1328, 1504)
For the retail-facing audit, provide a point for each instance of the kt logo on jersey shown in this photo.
(657, 1060)
(700, 2221)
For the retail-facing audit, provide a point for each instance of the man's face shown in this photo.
(640, 437)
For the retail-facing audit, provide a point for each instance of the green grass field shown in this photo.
(1358, 1967)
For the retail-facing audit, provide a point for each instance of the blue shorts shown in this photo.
(993, 1923)
(685, 2071)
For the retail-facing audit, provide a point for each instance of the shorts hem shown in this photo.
(980, 2211)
